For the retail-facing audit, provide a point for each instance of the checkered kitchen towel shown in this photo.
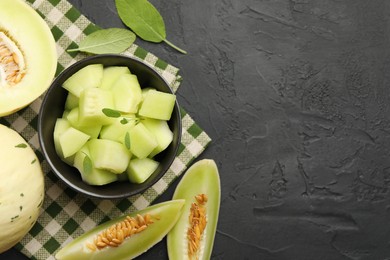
(67, 214)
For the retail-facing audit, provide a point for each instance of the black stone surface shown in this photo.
(295, 95)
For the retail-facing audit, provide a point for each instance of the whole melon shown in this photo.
(21, 188)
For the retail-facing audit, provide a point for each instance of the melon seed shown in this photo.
(12, 65)
(114, 235)
(197, 226)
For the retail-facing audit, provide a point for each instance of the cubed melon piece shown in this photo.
(87, 77)
(71, 141)
(127, 93)
(157, 105)
(145, 91)
(92, 103)
(65, 113)
(91, 130)
(73, 116)
(71, 101)
(139, 170)
(111, 74)
(109, 155)
(90, 174)
(142, 141)
(117, 129)
(162, 133)
(60, 127)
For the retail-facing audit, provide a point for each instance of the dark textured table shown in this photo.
(295, 95)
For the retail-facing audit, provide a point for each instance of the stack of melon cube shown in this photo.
(111, 128)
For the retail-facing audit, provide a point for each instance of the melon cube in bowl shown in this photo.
(139, 170)
(109, 155)
(157, 105)
(143, 141)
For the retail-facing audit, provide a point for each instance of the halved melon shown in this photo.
(21, 188)
(28, 56)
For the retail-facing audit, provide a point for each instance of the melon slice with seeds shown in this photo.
(193, 235)
(148, 227)
(28, 56)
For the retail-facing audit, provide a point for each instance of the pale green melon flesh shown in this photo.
(127, 93)
(71, 101)
(92, 176)
(73, 116)
(145, 92)
(116, 131)
(91, 130)
(87, 77)
(111, 74)
(92, 103)
(65, 114)
(109, 155)
(142, 141)
(60, 127)
(162, 133)
(21, 188)
(71, 141)
(157, 105)
(139, 170)
(33, 38)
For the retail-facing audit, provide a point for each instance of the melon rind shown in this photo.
(21, 188)
(33, 36)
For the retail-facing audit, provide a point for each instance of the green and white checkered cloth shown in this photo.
(65, 213)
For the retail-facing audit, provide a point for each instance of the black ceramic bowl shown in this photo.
(53, 107)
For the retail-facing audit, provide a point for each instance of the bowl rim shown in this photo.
(89, 60)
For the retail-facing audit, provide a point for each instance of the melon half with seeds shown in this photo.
(21, 187)
(28, 56)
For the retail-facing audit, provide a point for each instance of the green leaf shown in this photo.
(22, 145)
(144, 20)
(87, 164)
(127, 141)
(111, 112)
(124, 121)
(112, 40)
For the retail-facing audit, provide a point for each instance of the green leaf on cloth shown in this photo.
(111, 40)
